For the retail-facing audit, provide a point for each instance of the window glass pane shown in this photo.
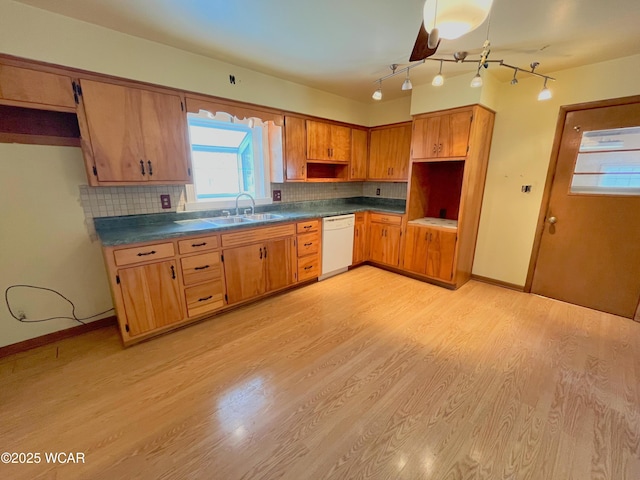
(215, 174)
(216, 136)
(608, 163)
(615, 139)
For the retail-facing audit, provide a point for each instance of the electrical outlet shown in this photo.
(377, 191)
(277, 195)
(165, 201)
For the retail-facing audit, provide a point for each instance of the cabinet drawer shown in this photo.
(128, 256)
(200, 244)
(204, 298)
(384, 218)
(308, 268)
(360, 217)
(254, 235)
(200, 268)
(310, 226)
(308, 244)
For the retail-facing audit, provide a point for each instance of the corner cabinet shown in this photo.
(136, 136)
(390, 152)
(450, 153)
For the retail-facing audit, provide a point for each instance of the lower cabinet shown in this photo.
(151, 296)
(360, 239)
(430, 252)
(385, 231)
(308, 242)
(255, 269)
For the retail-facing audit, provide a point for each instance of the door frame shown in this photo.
(551, 173)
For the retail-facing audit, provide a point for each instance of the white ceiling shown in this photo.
(343, 46)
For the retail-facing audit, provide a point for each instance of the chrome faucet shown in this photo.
(253, 203)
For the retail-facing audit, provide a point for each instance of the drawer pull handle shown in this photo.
(309, 267)
(205, 298)
(173, 272)
(308, 244)
(260, 253)
(265, 252)
(142, 168)
(150, 167)
(308, 226)
(202, 268)
(199, 244)
(142, 254)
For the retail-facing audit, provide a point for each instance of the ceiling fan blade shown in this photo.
(421, 48)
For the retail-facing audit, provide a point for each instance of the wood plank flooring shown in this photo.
(365, 375)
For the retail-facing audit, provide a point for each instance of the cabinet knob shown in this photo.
(552, 220)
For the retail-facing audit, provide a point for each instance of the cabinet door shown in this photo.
(340, 146)
(459, 129)
(400, 145)
(244, 272)
(31, 86)
(279, 263)
(295, 141)
(113, 118)
(318, 140)
(442, 247)
(424, 141)
(151, 296)
(416, 245)
(379, 155)
(164, 131)
(359, 242)
(359, 152)
(384, 243)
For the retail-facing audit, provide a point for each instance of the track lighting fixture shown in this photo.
(514, 80)
(377, 95)
(545, 93)
(438, 80)
(477, 80)
(406, 85)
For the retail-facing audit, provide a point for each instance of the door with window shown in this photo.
(590, 246)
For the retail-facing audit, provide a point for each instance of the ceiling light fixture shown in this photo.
(514, 80)
(406, 85)
(438, 80)
(477, 80)
(456, 17)
(545, 93)
(377, 95)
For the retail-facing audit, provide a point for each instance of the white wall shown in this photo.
(45, 242)
(520, 154)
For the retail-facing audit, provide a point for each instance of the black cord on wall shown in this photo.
(23, 319)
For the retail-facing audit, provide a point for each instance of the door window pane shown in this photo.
(608, 163)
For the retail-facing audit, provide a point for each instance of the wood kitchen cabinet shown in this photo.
(295, 151)
(360, 238)
(328, 142)
(258, 261)
(441, 135)
(35, 89)
(390, 152)
(385, 232)
(308, 249)
(137, 136)
(430, 252)
(151, 296)
(359, 154)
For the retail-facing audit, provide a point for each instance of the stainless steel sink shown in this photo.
(263, 216)
(228, 220)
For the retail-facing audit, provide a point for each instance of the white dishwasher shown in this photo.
(337, 244)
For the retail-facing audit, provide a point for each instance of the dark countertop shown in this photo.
(144, 228)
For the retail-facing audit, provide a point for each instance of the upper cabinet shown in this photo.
(359, 153)
(328, 142)
(295, 153)
(135, 135)
(22, 86)
(441, 135)
(390, 152)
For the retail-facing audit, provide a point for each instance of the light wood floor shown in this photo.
(366, 375)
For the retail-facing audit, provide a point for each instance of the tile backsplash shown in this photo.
(119, 201)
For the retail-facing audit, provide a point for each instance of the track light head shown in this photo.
(545, 93)
(476, 82)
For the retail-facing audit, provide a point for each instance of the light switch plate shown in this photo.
(165, 201)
